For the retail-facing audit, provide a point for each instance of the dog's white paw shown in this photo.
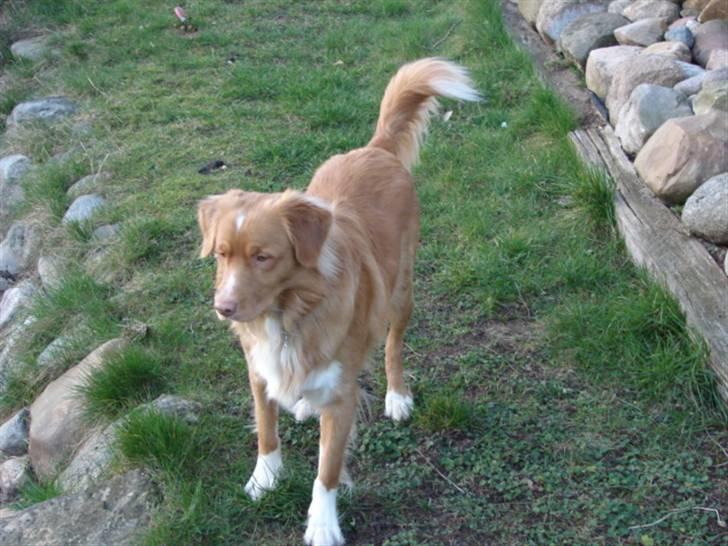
(398, 407)
(302, 410)
(264, 478)
(323, 524)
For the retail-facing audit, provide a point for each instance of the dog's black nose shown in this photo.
(226, 308)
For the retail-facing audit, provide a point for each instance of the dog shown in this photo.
(311, 281)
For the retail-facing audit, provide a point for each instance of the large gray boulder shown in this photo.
(710, 37)
(648, 107)
(57, 426)
(691, 86)
(602, 64)
(83, 208)
(706, 210)
(589, 32)
(14, 300)
(32, 49)
(555, 15)
(680, 34)
(713, 96)
(654, 69)
(12, 342)
(47, 109)
(683, 153)
(617, 6)
(114, 513)
(644, 9)
(641, 33)
(19, 248)
(50, 270)
(14, 434)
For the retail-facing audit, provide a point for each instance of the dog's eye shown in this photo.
(221, 254)
(261, 258)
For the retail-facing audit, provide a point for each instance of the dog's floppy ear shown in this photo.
(307, 223)
(207, 214)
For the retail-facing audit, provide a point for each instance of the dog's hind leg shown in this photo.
(269, 464)
(398, 402)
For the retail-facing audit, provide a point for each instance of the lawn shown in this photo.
(559, 397)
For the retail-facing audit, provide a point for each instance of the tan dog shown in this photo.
(311, 281)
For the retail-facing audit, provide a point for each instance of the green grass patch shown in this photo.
(34, 492)
(128, 378)
(445, 411)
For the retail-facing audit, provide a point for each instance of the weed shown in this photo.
(34, 492)
(445, 411)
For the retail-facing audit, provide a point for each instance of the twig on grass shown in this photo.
(721, 521)
(443, 476)
(446, 36)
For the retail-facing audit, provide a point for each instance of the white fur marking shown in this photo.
(457, 87)
(319, 387)
(302, 410)
(397, 406)
(323, 523)
(239, 221)
(267, 469)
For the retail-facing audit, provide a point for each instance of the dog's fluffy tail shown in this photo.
(410, 100)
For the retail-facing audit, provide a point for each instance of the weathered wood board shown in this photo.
(657, 240)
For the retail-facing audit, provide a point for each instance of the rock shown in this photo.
(681, 34)
(54, 352)
(725, 264)
(718, 59)
(648, 107)
(15, 299)
(57, 426)
(50, 271)
(100, 265)
(646, 9)
(714, 9)
(93, 459)
(591, 31)
(83, 208)
(12, 169)
(695, 5)
(681, 23)
(706, 210)
(14, 434)
(87, 184)
(19, 248)
(713, 96)
(555, 15)
(709, 37)
(617, 6)
(48, 109)
(601, 65)
(676, 50)
(691, 86)
(115, 512)
(13, 474)
(641, 33)
(32, 49)
(654, 69)
(682, 153)
(12, 341)
(176, 406)
(529, 10)
(105, 232)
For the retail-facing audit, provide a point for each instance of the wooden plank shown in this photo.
(657, 240)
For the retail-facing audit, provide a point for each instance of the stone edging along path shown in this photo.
(645, 98)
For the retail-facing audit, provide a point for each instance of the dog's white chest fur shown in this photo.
(276, 360)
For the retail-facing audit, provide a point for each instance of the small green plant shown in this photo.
(36, 491)
(126, 379)
(593, 193)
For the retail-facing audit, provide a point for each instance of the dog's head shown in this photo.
(264, 244)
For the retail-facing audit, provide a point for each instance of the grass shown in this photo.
(34, 491)
(560, 397)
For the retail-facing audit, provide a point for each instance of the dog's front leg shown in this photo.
(336, 423)
(269, 464)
